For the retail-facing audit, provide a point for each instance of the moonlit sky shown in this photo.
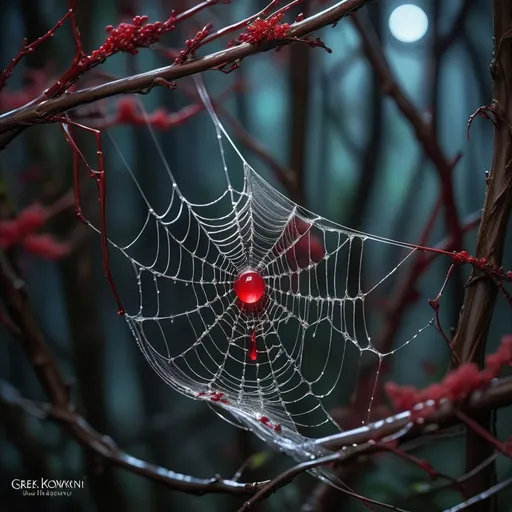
(408, 23)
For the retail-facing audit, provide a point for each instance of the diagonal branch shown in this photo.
(483, 496)
(481, 292)
(36, 113)
(63, 411)
(288, 475)
(105, 446)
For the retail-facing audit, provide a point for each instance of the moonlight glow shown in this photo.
(408, 23)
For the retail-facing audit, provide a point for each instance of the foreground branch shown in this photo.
(498, 394)
(143, 82)
(63, 411)
(481, 292)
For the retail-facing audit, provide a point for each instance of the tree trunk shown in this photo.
(481, 292)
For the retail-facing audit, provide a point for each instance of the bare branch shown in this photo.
(62, 410)
(483, 496)
(499, 394)
(105, 446)
(288, 475)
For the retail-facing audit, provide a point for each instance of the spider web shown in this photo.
(310, 328)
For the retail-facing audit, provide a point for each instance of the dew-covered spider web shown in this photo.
(245, 300)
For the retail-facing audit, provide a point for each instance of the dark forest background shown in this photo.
(359, 163)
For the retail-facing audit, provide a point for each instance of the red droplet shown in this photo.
(249, 287)
(216, 397)
(265, 421)
(252, 347)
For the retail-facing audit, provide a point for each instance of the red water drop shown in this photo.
(252, 347)
(249, 286)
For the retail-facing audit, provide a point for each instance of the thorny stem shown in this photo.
(29, 48)
(99, 177)
(434, 304)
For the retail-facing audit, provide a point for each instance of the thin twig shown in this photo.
(478, 429)
(483, 496)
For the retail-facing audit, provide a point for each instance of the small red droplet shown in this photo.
(249, 286)
(216, 397)
(252, 347)
(264, 420)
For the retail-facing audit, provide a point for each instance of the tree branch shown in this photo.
(499, 394)
(483, 496)
(39, 112)
(423, 130)
(361, 441)
(105, 446)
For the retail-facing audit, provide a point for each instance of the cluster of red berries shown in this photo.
(129, 37)
(20, 231)
(455, 387)
(193, 44)
(264, 30)
(462, 257)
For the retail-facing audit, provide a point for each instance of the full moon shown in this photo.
(408, 23)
